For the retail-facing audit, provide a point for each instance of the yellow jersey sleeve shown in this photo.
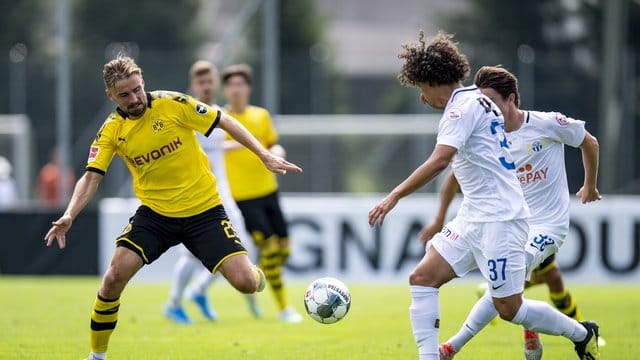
(199, 116)
(103, 147)
(270, 136)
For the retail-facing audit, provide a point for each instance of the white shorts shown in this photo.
(542, 243)
(496, 248)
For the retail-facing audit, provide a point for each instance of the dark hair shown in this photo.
(243, 70)
(498, 79)
(438, 63)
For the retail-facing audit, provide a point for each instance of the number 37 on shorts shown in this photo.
(497, 269)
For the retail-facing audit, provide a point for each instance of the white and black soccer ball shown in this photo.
(327, 300)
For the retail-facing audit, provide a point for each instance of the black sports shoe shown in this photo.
(587, 349)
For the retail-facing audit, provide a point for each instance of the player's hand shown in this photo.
(279, 165)
(378, 213)
(429, 231)
(587, 195)
(58, 231)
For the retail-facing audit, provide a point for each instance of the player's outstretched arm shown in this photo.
(590, 157)
(447, 194)
(438, 161)
(84, 190)
(244, 137)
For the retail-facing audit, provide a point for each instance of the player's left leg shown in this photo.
(212, 239)
(242, 274)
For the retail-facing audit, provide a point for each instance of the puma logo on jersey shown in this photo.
(156, 154)
(449, 233)
(527, 175)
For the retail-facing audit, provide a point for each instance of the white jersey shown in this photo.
(214, 148)
(538, 150)
(483, 166)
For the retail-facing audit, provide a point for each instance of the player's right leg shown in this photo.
(124, 264)
(146, 237)
(447, 256)
(549, 273)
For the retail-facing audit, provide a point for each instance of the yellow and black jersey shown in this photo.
(248, 177)
(171, 173)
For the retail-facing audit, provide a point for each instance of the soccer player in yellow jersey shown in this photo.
(154, 133)
(254, 189)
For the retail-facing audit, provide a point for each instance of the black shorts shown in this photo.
(209, 236)
(546, 264)
(263, 218)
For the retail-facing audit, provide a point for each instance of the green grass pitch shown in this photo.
(48, 318)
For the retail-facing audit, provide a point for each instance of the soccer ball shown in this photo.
(327, 300)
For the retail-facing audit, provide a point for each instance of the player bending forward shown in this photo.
(204, 80)
(154, 134)
(536, 140)
(490, 229)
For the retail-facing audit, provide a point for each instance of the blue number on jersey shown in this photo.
(495, 127)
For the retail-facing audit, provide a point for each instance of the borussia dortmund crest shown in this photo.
(157, 126)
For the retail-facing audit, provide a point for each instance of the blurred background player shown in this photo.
(490, 230)
(154, 134)
(8, 188)
(48, 181)
(536, 141)
(254, 189)
(203, 83)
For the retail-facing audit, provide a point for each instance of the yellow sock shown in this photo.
(284, 255)
(270, 263)
(564, 302)
(103, 320)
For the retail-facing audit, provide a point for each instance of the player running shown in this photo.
(203, 82)
(257, 194)
(490, 229)
(154, 134)
(536, 140)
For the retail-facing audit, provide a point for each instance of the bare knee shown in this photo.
(425, 278)
(113, 283)
(508, 307)
(241, 274)
(432, 271)
(124, 264)
(245, 281)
